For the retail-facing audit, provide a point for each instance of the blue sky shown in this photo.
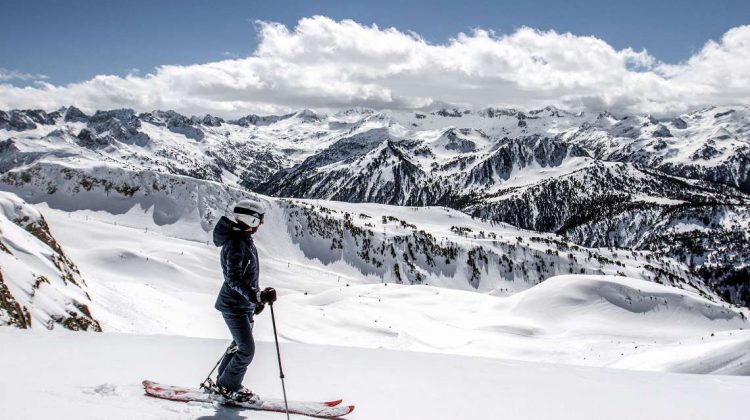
(72, 41)
(232, 58)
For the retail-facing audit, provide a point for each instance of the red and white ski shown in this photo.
(325, 410)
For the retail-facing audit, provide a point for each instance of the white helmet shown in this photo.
(249, 212)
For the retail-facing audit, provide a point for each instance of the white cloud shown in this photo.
(7, 75)
(322, 63)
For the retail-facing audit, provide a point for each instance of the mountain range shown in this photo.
(675, 191)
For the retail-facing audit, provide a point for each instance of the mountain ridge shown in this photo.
(549, 170)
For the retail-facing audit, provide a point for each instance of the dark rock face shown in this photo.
(257, 120)
(90, 140)
(123, 116)
(449, 113)
(398, 180)
(187, 131)
(706, 152)
(119, 124)
(175, 122)
(519, 153)
(8, 155)
(8, 146)
(42, 118)
(459, 144)
(626, 128)
(372, 167)
(16, 120)
(662, 131)
(291, 182)
(501, 112)
(679, 123)
(28, 119)
(208, 120)
(73, 114)
(723, 114)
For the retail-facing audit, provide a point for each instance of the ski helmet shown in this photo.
(248, 212)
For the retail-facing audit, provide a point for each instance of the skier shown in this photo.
(240, 297)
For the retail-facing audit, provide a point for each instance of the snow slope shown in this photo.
(40, 287)
(151, 270)
(434, 245)
(98, 376)
(144, 279)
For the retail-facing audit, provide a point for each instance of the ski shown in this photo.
(325, 410)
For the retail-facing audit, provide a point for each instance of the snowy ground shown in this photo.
(146, 280)
(546, 352)
(98, 376)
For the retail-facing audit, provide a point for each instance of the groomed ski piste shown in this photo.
(573, 346)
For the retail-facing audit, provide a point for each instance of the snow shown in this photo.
(167, 285)
(288, 140)
(636, 135)
(36, 275)
(393, 350)
(534, 173)
(657, 200)
(99, 375)
(574, 346)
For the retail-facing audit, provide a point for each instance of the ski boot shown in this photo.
(242, 395)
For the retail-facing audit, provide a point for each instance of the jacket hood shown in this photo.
(226, 229)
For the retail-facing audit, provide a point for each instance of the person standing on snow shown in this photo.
(240, 297)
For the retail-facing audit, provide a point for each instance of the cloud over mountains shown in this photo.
(322, 63)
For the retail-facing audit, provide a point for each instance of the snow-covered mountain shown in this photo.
(710, 144)
(676, 188)
(510, 242)
(40, 287)
(412, 245)
(148, 276)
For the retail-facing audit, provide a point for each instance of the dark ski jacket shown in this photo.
(239, 262)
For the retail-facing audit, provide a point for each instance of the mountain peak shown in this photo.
(308, 115)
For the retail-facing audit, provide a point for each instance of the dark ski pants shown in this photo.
(232, 369)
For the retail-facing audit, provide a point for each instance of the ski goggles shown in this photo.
(249, 217)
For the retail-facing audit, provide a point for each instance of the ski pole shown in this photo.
(231, 349)
(278, 356)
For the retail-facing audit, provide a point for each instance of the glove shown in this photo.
(254, 296)
(259, 308)
(268, 295)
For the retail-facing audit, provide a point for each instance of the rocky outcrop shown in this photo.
(73, 114)
(21, 120)
(44, 289)
(175, 122)
(119, 125)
